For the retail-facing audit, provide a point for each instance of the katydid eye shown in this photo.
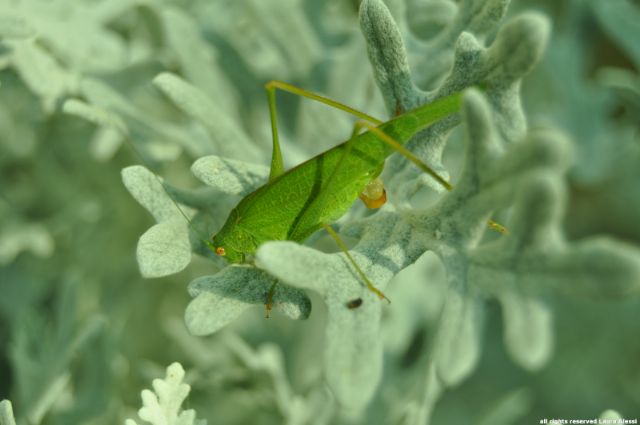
(220, 251)
(213, 238)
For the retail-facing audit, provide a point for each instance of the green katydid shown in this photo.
(294, 204)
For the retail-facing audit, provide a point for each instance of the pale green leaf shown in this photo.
(148, 190)
(229, 176)
(164, 249)
(221, 298)
(94, 114)
(226, 134)
(14, 26)
(6, 413)
(163, 405)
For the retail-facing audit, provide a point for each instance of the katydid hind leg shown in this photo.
(424, 167)
(398, 147)
(365, 121)
(271, 86)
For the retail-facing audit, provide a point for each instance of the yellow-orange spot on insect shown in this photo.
(374, 203)
(220, 251)
(373, 195)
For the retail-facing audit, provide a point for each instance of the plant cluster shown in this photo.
(483, 328)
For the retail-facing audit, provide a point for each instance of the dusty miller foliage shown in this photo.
(174, 85)
(162, 406)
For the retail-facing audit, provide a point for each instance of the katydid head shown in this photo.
(233, 242)
(225, 250)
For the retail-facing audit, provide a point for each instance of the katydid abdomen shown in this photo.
(301, 200)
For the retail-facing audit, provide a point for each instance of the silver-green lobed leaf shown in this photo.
(221, 298)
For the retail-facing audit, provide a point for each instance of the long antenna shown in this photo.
(146, 163)
(104, 118)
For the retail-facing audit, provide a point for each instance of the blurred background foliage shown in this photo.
(81, 333)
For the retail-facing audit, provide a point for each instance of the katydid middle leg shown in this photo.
(345, 250)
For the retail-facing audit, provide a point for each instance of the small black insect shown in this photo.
(354, 303)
